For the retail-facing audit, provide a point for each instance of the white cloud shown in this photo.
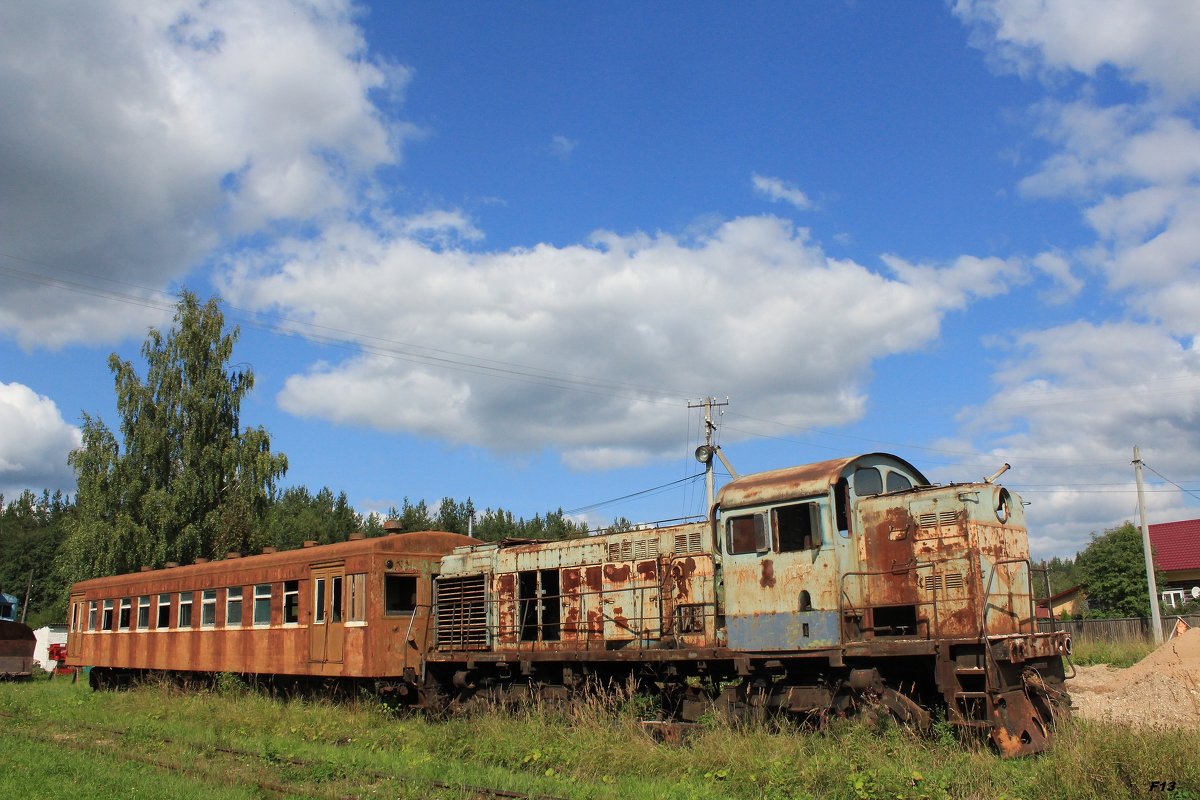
(1070, 404)
(563, 147)
(35, 444)
(750, 309)
(777, 190)
(1150, 41)
(138, 137)
(1074, 399)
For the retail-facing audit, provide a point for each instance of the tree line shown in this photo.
(186, 479)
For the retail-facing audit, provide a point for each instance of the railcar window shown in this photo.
(400, 594)
(747, 534)
(262, 604)
(867, 482)
(126, 612)
(185, 610)
(92, 616)
(208, 608)
(798, 527)
(319, 601)
(897, 482)
(144, 612)
(291, 602)
(335, 599)
(357, 585)
(233, 606)
(107, 623)
(164, 611)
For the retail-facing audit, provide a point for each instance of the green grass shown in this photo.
(1118, 654)
(64, 740)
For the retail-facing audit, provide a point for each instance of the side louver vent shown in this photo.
(632, 549)
(688, 542)
(941, 583)
(934, 519)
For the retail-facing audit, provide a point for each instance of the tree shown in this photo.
(191, 482)
(297, 515)
(1113, 568)
(32, 529)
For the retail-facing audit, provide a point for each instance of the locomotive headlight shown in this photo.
(704, 453)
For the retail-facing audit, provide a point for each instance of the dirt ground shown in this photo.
(1161, 691)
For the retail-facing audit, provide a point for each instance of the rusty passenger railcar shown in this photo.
(354, 610)
(811, 589)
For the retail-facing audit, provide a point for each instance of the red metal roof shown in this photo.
(1176, 545)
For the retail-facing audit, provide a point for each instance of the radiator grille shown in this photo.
(462, 613)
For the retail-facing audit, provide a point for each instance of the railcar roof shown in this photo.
(808, 480)
(417, 543)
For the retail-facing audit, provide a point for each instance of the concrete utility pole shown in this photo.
(1155, 617)
(704, 453)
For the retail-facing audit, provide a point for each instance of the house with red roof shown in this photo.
(1176, 547)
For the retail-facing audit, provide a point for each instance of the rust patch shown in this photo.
(647, 570)
(591, 577)
(595, 621)
(571, 581)
(681, 574)
(615, 574)
(767, 581)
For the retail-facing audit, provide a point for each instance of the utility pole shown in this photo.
(704, 453)
(1155, 617)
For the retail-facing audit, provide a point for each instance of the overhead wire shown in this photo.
(463, 362)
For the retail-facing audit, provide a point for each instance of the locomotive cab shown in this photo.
(787, 547)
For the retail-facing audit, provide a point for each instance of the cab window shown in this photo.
(798, 527)
(747, 534)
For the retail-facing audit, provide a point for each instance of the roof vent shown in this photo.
(393, 526)
(200, 561)
(357, 536)
(233, 554)
(310, 542)
(171, 564)
(145, 568)
(268, 550)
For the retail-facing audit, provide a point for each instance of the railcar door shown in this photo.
(780, 576)
(327, 631)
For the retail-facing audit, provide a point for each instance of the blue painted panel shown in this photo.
(783, 630)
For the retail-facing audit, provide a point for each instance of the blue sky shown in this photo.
(493, 249)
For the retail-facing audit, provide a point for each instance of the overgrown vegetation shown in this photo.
(1117, 654)
(231, 743)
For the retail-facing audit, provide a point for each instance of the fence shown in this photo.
(1116, 630)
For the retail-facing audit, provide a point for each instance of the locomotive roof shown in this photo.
(808, 480)
(432, 543)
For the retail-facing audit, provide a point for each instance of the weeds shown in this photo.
(228, 743)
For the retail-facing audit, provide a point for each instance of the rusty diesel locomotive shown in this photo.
(830, 588)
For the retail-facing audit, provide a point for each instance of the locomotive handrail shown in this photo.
(987, 591)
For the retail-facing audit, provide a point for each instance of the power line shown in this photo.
(1168, 480)
(643, 492)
